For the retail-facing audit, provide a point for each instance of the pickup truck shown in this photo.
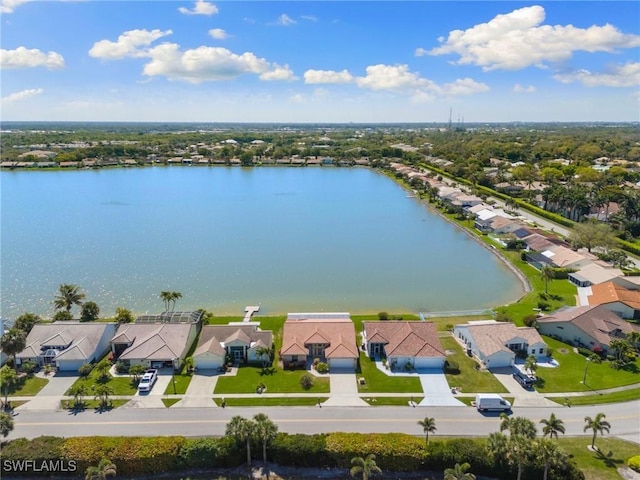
(148, 380)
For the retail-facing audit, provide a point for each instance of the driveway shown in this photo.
(200, 391)
(50, 396)
(344, 389)
(152, 399)
(437, 392)
(522, 396)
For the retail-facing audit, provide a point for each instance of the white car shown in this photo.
(148, 380)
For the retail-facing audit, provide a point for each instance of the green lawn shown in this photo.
(27, 386)
(278, 381)
(599, 466)
(395, 401)
(469, 380)
(615, 397)
(168, 402)
(91, 404)
(378, 382)
(567, 377)
(272, 402)
(182, 382)
(120, 385)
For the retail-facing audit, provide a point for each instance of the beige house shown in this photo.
(621, 301)
(241, 342)
(330, 337)
(404, 343)
(496, 344)
(589, 327)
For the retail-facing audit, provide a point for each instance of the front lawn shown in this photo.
(90, 405)
(27, 386)
(567, 377)
(615, 397)
(249, 378)
(601, 465)
(378, 382)
(168, 402)
(182, 382)
(120, 385)
(469, 380)
(392, 401)
(272, 402)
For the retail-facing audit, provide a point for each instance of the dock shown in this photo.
(248, 312)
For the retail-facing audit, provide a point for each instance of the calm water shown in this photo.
(287, 239)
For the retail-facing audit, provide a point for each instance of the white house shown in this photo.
(495, 344)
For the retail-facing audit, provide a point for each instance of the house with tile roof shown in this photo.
(496, 344)
(620, 300)
(404, 343)
(67, 345)
(586, 326)
(330, 337)
(594, 274)
(154, 345)
(238, 341)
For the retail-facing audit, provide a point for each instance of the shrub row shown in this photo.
(154, 455)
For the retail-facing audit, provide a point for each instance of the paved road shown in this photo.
(451, 421)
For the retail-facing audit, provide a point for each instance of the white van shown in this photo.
(486, 402)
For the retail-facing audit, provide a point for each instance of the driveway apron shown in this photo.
(152, 399)
(50, 396)
(344, 390)
(200, 391)
(522, 396)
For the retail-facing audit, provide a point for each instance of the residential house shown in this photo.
(404, 343)
(330, 337)
(594, 274)
(67, 345)
(157, 341)
(238, 341)
(623, 302)
(586, 326)
(496, 344)
(563, 257)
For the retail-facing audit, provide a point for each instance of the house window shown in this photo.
(294, 358)
(541, 350)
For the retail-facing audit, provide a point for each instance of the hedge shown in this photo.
(634, 463)
(300, 450)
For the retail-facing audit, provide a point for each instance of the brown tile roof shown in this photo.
(405, 338)
(154, 341)
(611, 292)
(339, 332)
(212, 336)
(598, 322)
(538, 242)
(494, 337)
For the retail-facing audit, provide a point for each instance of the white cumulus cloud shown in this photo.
(130, 44)
(285, 20)
(218, 33)
(327, 76)
(23, 57)
(392, 77)
(200, 8)
(17, 96)
(421, 52)
(310, 18)
(519, 39)
(8, 6)
(517, 88)
(278, 72)
(463, 86)
(627, 75)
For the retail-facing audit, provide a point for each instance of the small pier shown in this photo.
(248, 312)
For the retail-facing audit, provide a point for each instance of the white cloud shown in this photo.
(200, 8)
(16, 97)
(627, 75)
(463, 86)
(298, 98)
(128, 44)
(517, 88)
(518, 39)
(327, 76)
(278, 72)
(392, 77)
(218, 33)
(421, 52)
(23, 57)
(285, 20)
(8, 6)
(311, 18)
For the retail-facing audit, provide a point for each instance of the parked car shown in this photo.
(523, 378)
(148, 380)
(491, 402)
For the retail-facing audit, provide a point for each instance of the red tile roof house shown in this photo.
(623, 302)
(495, 344)
(330, 337)
(591, 327)
(240, 341)
(404, 343)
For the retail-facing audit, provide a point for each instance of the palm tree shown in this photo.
(531, 364)
(459, 472)
(242, 430)
(68, 296)
(265, 431)
(78, 391)
(6, 423)
(428, 426)
(549, 454)
(547, 273)
(175, 296)
(634, 339)
(622, 349)
(367, 467)
(264, 353)
(12, 342)
(102, 392)
(598, 425)
(552, 426)
(8, 378)
(518, 426)
(166, 299)
(104, 469)
(102, 368)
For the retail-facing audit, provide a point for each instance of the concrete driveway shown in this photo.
(152, 399)
(437, 391)
(200, 391)
(344, 389)
(49, 397)
(522, 396)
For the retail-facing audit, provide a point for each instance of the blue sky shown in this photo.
(330, 61)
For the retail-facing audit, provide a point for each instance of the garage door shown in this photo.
(69, 365)
(341, 363)
(427, 362)
(207, 363)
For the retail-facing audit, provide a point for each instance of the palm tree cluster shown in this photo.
(169, 299)
(260, 428)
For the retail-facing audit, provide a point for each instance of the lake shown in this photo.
(286, 239)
